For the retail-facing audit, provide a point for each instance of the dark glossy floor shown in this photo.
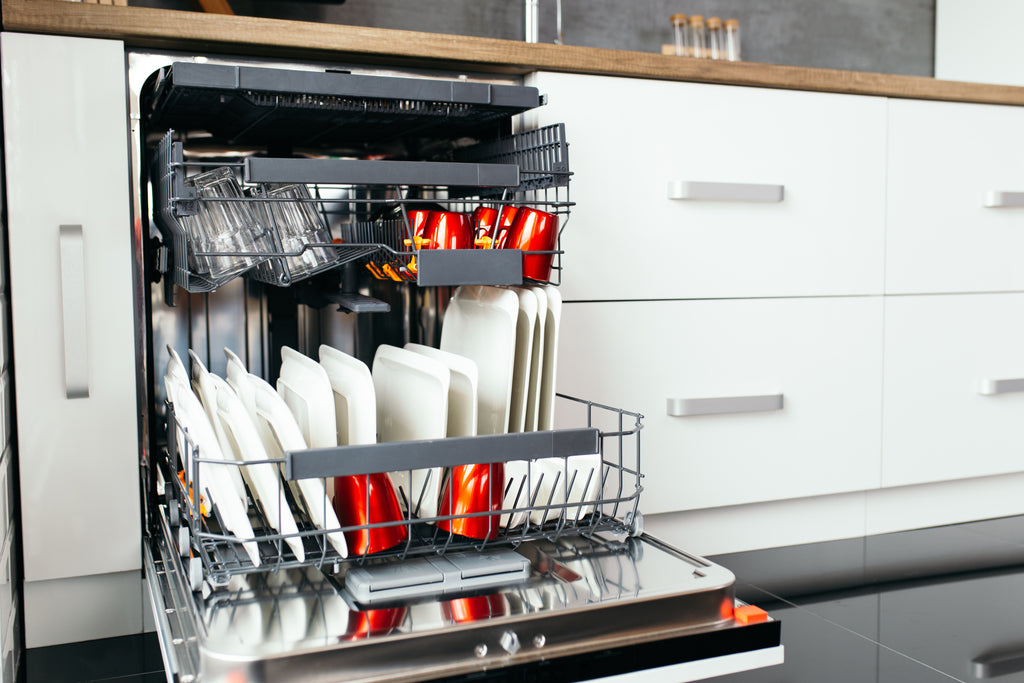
(928, 606)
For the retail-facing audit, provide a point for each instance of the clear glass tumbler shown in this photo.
(298, 224)
(225, 224)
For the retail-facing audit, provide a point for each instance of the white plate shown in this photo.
(305, 387)
(537, 361)
(525, 323)
(355, 404)
(213, 479)
(285, 435)
(175, 368)
(546, 413)
(205, 385)
(238, 378)
(480, 324)
(266, 480)
(412, 405)
(462, 392)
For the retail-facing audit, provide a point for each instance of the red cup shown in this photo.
(469, 489)
(448, 230)
(351, 495)
(534, 230)
(476, 608)
(484, 219)
(373, 622)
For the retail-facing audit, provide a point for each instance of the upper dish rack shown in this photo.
(349, 128)
(561, 490)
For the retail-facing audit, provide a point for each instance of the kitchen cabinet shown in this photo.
(819, 359)
(901, 191)
(947, 161)
(70, 240)
(949, 411)
(798, 176)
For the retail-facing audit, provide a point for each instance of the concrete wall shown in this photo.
(887, 36)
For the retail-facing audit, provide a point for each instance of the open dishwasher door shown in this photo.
(589, 609)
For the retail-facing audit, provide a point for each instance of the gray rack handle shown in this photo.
(362, 172)
(685, 407)
(727, 192)
(992, 387)
(413, 455)
(73, 318)
(999, 199)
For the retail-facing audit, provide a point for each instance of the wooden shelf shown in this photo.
(146, 27)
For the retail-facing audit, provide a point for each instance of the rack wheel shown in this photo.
(195, 574)
(635, 523)
(183, 543)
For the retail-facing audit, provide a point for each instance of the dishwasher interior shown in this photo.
(552, 570)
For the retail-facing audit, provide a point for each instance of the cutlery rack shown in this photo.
(525, 169)
(564, 512)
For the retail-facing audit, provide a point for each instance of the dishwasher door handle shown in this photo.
(73, 315)
(685, 407)
(993, 387)
(725, 192)
(999, 199)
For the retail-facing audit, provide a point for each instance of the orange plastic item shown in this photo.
(203, 508)
(750, 614)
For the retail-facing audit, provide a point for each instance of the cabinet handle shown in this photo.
(683, 407)
(995, 199)
(727, 192)
(993, 666)
(991, 387)
(72, 296)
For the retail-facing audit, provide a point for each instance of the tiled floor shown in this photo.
(929, 606)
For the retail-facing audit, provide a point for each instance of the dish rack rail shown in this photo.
(525, 169)
(566, 483)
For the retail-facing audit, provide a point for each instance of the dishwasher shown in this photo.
(558, 587)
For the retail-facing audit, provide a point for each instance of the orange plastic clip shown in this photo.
(750, 614)
(203, 508)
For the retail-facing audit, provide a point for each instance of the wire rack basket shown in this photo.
(348, 197)
(553, 484)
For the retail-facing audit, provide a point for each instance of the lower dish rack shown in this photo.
(554, 484)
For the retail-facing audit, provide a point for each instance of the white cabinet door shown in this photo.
(822, 355)
(941, 352)
(946, 160)
(66, 147)
(631, 138)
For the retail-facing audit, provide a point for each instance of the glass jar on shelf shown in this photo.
(680, 35)
(732, 40)
(698, 36)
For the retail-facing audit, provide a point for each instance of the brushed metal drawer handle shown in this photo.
(998, 199)
(73, 316)
(992, 387)
(684, 407)
(726, 192)
(996, 665)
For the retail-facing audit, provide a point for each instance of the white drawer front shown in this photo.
(945, 160)
(635, 142)
(940, 352)
(824, 356)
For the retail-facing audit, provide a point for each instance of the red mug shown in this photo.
(475, 608)
(373, 622)
(352, 494)
(448, 230)
(484, 220)
(534, 230)
(473, 488)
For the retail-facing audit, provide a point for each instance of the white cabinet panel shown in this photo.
(824, 355)
(66, 133)
(939, 351)
(944, 159)
(629, 139)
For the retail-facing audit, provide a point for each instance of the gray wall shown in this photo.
(887, 36)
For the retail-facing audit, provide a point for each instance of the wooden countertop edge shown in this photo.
(146, 27)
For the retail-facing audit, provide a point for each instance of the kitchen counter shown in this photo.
(146, 27)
